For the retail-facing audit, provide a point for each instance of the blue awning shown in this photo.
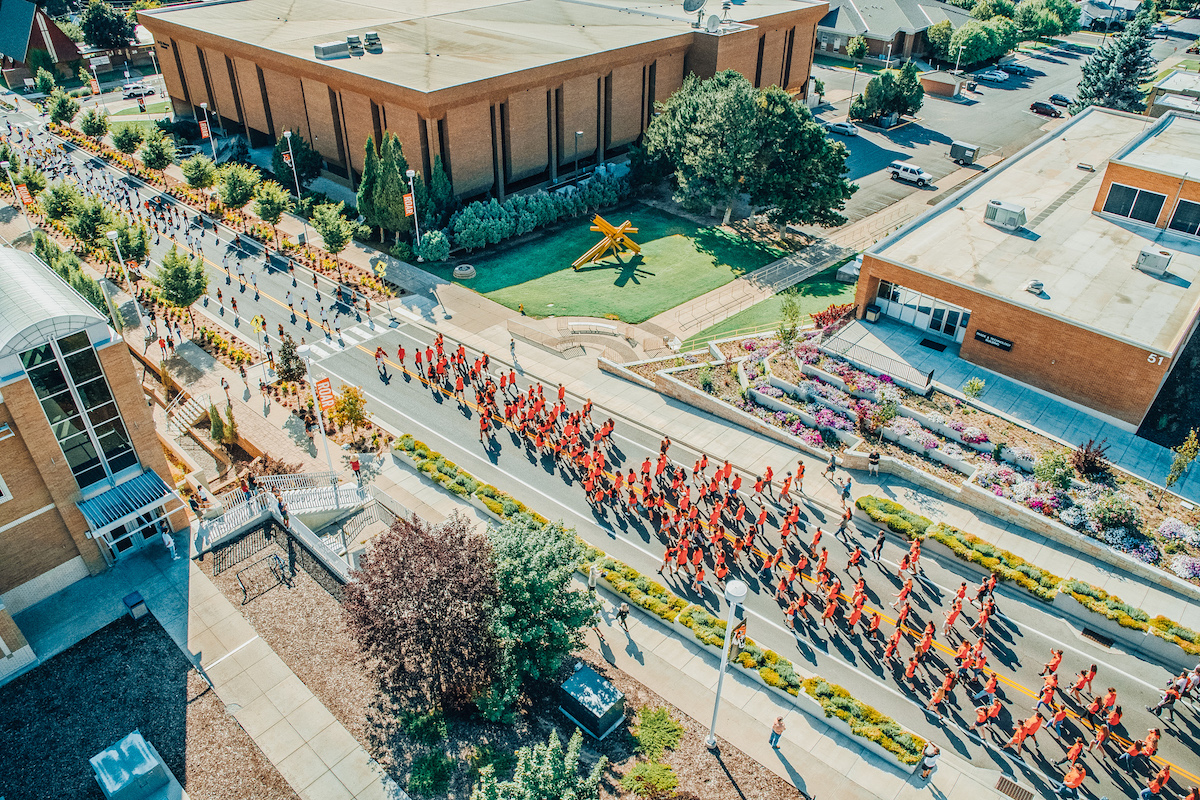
(125, 502)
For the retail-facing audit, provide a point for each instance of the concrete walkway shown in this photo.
(313, 752)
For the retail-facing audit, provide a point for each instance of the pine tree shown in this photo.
(1113, 75)
(93, 123)
(127, 139)
(392, 186)
(368, 183)
(441, 193)
(199, 171)
(63, 107)
(291, 366)
(158, 151)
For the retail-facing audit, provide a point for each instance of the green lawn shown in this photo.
(679, 260)
(814, 294)
(151, 108)
(145, 124)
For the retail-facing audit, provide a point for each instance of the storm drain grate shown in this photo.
(1098, 638)
(1005, 786)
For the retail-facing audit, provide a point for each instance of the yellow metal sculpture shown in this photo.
(616, 238)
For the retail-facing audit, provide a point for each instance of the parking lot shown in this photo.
(996, 117)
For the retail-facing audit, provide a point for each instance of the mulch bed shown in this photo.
(304, 625)
(129, 675)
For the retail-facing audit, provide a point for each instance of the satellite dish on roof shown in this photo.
(692, 6)
(713, 23)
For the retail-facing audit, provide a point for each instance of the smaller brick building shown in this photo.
(83, 477)
(1074, 267)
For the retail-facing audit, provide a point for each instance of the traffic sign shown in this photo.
(203, 129)
(410, 206)
(23, 193)
(324, 394)
(258, 322)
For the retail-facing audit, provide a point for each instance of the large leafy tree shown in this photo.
(92, 219)
(539, 619)
(724, 137)
(856, 48)
(238, 183)
(544, 771)
(60, 200)
(982, 40)
(181, 280)
(104, 26)
(890, 92)
(367, 184)
(199, 171)
(420, 607)
(308, 162)
(127, 139)
(333, 226)
(94, 123)
(271, 202)
(134, 241)
(939, 35)
(43, 78)
(158, 151)
(33, 178)
(1114, 73)
(63, 107)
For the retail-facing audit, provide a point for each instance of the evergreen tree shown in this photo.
(333, 226)
(435, 246)
(308, 162)
(367, 184)
(238, 183)
(544, 771)
(63, 107)
(291, 366)
(134, 241)
(441, 193)
(127, 139)
(181, 280)
(1112, 77)
(33, 178)
(92, 219)
(199, 171)
(158, 151)
(44, 80)
(392, 186)
(94, 123)
(271, 202)
(856, 48)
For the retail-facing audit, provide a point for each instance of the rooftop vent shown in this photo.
(1008, 216)
(1034, 286)
(354, 44)
(1154, 261)
(372, 39)
(331, 50)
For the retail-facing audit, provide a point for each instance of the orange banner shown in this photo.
(203, 129)
(410, 205)
(23, 193)
(325, 394)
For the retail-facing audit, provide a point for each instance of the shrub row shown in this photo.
(1041, 583)
(650, 595)
(455, 479)
(865, 721)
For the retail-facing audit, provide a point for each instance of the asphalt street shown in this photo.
(1020, 641)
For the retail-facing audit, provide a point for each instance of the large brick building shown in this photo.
(497, 88)
(1074, 267)
(83, 477)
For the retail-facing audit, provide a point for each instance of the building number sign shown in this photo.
(1154, 359)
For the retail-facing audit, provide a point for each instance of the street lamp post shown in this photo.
(412, 173)
(211, 139)
(157, 71)
(99, 91)
(958, 60)
(578, 136)
(735, 594)
(16, 198)
(853, 80)
(296, 177)
(112, 237)
(305, 352)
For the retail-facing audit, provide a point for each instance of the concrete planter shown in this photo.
(613, 368)
(956, 464)
(830, 378)
(1146, 642)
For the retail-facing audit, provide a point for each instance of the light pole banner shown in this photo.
(324, 394)
(410, 205)
(203, 129)
(94, 85)
(23, 193)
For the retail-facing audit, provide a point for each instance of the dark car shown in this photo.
(1044, 108)
(1060, 100)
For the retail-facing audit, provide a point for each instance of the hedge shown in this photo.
(650, 595)
(1004, 565)
(896, 517)
(865, 721)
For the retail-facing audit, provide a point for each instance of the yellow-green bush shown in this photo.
(865, 721)
(1005, 565)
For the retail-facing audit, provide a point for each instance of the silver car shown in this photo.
(992, 76)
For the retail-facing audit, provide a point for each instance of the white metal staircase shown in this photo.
(184, 412)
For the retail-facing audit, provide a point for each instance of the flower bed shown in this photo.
(1004, 565)
(865, 721)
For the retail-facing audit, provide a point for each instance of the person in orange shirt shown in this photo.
(1060, 714)
(981, 718)
(1056, 657)
(1101, 738)
(1032, 726)
(1071, 783)
(1156, 784)
(1018, 740)
(1073, 753)
(935, 702)
(1110, 699)
(1114, 717)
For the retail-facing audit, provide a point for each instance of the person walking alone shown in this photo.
(777, 731)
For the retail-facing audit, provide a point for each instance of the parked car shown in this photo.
(992, 76)
(842, 128)
(1039, 107)
(135, 90)
(903, 171)
(1060, 100)
(1017, 69)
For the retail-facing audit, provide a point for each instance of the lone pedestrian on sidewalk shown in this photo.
(873, 463)
(929, 762)
(777, 731)
(623, 616)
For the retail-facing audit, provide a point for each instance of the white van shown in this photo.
(903, 171)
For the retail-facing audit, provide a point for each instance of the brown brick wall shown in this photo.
(137, 415)
(802, 53)
(251, 94)
(1174, 188)
(171, 74)
(10, 633)
(287, 103)
(320, 119)
(404, 124)
(41, 543)
(222, 86)
(190, 58)
(359, 125)
(527, 133)
(469, 140)
(774, 46)
(1089, 368)
(668, 75)
(54, 474)
(578, 113)
(739, 51)
(625, 110)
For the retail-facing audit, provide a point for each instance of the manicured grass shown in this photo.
(863, 66)
(814, 294)
(145, 124)
(151, 108)
(679, 260)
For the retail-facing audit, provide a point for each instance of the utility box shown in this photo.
(1009, 216)
(132, 769)
(964, 153)
(592, 702)
(1154, 261)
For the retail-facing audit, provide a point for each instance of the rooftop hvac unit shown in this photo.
(1153, 261)
(372, 40)
(1008, 216)
(354, 44)
(331, 50)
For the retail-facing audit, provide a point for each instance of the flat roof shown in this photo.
(1085, 260)
(429, 45)
(1172, 146)
(1179, 81)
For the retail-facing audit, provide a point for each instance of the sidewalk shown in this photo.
(813, 757)
(313, 752)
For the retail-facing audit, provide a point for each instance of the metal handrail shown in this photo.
(299, 480)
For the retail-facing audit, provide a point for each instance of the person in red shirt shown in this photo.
(1072, 781)
(1073, 753)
